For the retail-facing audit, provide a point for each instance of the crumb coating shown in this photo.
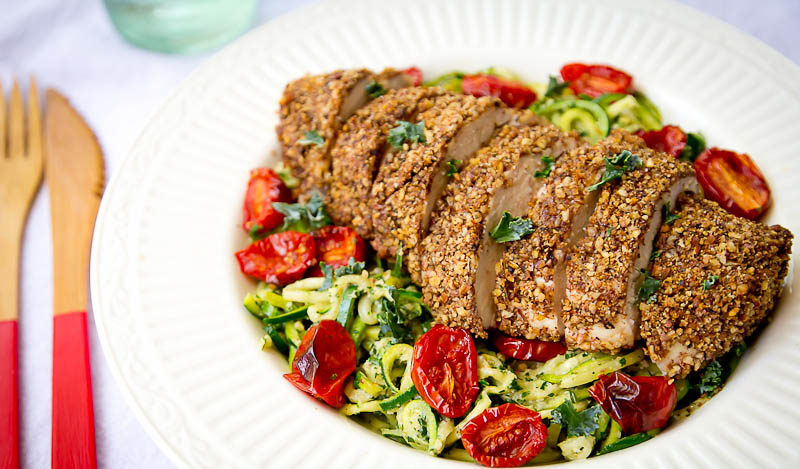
(688, 324)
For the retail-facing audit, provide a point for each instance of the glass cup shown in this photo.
(181, 26)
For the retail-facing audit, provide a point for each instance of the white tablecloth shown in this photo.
(71, 45)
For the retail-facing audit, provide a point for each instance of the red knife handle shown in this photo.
(9, 396)
(73, 415)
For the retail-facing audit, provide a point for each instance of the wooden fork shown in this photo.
(20, 178)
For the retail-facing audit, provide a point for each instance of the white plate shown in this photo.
(167, 293)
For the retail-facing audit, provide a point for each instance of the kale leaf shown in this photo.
(616, 166)
(582, 423)
(407, 132)
(710, 377)
(555, 87)
(511, 228)
(547, 161)
(375, 89)
(649, 287)
(303, 217)
(453, 166)
(312, 137)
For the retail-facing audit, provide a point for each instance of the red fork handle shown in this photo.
(73, 415)
(9, 396)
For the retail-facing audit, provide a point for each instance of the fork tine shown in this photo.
(2, 122)
(16, 124)
(34, 123)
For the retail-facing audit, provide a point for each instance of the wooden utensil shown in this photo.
(75, 177)
(20, 177)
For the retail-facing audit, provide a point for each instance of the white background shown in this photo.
(71, 45)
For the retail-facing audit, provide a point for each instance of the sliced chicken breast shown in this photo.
(317, 106)
(720, 275)
(531, 273)
(458, 255)
(410, 181)
(600, 306)
(360, 148)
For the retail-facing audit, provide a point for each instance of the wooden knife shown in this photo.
(75, 176)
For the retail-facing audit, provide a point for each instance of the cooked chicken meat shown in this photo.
(458, 256)
(531, 275)
(360, 149)
(317, 106)
(410, 181)
(720, 275)
(600, 308)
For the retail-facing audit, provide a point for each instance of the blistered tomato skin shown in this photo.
(733, 181)
(595, 80)
(512, 93)
(415, 74)
(444, 368)
(637, 403)
(323, 361)
(527, 349)
(505, 436)
(336, 245)
(280, 258)
(264, 188)
(670, 139)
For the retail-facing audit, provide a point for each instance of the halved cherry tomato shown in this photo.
(527, 349)
(415, 74)
(670, 139)
(505, 436)
(637, 403)
(595, 80)
(279, 258)
(265, 187)
(336, 245)
(323, 361)
(733, 181)
(444, 368)
(512, 93)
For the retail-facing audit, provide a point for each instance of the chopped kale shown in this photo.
(669, 216)
(647, 290)
(547, 161)
(710, 282)
(256, 233)
(511, 228)
(453, 166)
(710, 377)
(555, 87)
(616, 166)
(655, 255)
(407, 132)
(303, 217)
(312, 137)
(375, 89)
(695, 144)
(582, 423)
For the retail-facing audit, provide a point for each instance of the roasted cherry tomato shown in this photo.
(336, 245)
(670, 139)
(444, 369)
(323, 361)
(527, 349)
(415, 74)
(510, 92)
(733, 181)
(637, 403)
(265, 187)
(279, 258)
(505, 436)
(595, 80)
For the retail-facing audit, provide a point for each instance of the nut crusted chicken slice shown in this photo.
(531, 274)
(720, 275)
(360, 148)
(600, 307)
(410, 182)
(458, 256)
(320, 104)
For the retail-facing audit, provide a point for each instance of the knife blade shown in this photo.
(75, 175)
